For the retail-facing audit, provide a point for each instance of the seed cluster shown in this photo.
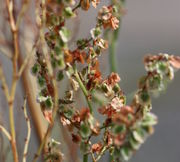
(125, 126)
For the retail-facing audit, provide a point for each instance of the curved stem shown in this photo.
(76, 7)
(6, 133)
(28, 132)
(101, 153)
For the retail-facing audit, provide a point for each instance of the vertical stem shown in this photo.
(85, 158)
(76, 7)
(112, 51)
(83, 88)
(14, 31)
(85, 92)
(12, 94)
(111, 158)
(12, 130)
(112, 46)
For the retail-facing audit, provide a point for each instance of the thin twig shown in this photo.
(25, 62)
(14, 31)
(6, 133)
(92, 155)
(4, 83)
(72, 147)
(76, 7)
(22, 12)
(28, 132)
(83, 88)
(30, 90)
(85, 158)
(113, 45)
(112, 51)
(86, 94)
(19, 18)
(51, 125)
(101, 153)
(9, 5)
(3, 50)
(6, 53)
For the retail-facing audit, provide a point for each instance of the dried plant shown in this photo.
(124, 126)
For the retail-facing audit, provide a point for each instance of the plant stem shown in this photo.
(28, 133)
(54, 83)
(83, 88)
(112, 46)
(111, 158)
(85, 158)
(6, 133)
(50, 127)
(112, 51)
(43, 142)
(30, 89)
(75, 8)
(101, 153)
(14, 31)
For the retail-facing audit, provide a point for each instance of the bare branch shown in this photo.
(6, 133)
(28, 132)
(4, 49)
(9, 5)
(22, 12)
(25, 62)
(4, 83)
(14, 31)
(5, 53)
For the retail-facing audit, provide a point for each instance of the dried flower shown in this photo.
(114, 23)
(101, 43)
(117, 104)
(76, 138)
(112, 79)
(74, 84)
(95, 32)
(95, 3)
(64, 121)
(48, 115)
(175, 61)
(97, 147)
(84, 114)
(104, 14)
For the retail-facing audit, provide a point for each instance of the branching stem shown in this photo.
(84, 90)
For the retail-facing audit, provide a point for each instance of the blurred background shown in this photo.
(150, 26)
(153, 27)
